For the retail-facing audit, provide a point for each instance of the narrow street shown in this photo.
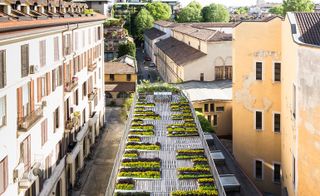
(95, 177)
(145, 71)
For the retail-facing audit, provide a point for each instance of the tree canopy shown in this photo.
(144, 21)
(277, 10)
(159, 11)
(242, 10)
(191, 13)
(127, 48)
(298, 6)
(215, 13)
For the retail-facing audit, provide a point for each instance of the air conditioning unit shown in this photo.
(33, 69)
(36, 171)
(18, 172)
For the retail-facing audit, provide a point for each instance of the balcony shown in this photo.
(25, 123)
(72, 123)
(92, 66)
(69, 86)
(93, 94)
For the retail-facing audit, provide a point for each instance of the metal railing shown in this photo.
(207, 153)
(26, 122)
(118, 158)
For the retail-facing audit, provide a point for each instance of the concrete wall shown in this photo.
(224, 126)
(256, 41)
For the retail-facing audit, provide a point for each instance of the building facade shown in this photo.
(51, 95)
(300, 104)
(257, 102)
(189, 47)
(151, 37)
(121, 79)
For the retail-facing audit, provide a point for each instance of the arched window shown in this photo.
(108, 95)
(123, 95)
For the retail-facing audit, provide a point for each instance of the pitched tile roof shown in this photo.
(118, 68)
(203, 34)
(178, 51)
(120, 87)
(309, 27)
(153, 33)
(214, 24)
(164, 23)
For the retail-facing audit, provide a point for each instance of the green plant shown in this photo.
(205, 124)
(141, 133)
(144, 174)
(143, 146)
(132, 194)
(125, 186)
(195, 193)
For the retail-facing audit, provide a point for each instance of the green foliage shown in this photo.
(195, 193)
(215, 13)
(128, 48)
(132, 194)
(125, 186)
(88, 11)
(113, 22)
(242, 10)
(278, 10)
(205, 124)
(191, 13)
(126, 107)
(131, 154)
(142, 174)
(143, 21)
(159, 10)
(141, 133)
(143, 146)
(147, 87)
(298, 6)
(142, 164)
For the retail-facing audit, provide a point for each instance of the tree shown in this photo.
(298, 6)
(215, 13)
(191, 13)
(128, 48)
(144, 21)
(159, 11)
(242, 10)
(278, 10)
(205, 124)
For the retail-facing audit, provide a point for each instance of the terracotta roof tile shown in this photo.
(178, 51)
(309, 27)
(120, 87)
(153, 33)
(118, 68)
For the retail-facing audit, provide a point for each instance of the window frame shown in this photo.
(274, 71)
(255, 120)
(206, 109)
(215, 120)
(201, 77)
(4, 162)
(112, 77)
(5, 112)
(255, 168)
(273, 166)
(216, 109)
(262, 70)
(273, 122)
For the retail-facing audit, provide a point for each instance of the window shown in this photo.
(76, 40)
(202, 77)
(3, 174)
(99, 33)
(24, 60)
(276, 122)
(206, 107)
(25, 153)
(48, 168)
(220, 109)
(67, 44)
(209, 118)
(76, 97)
(258, 70)
(108, 95)
(59, 75)
(211, 107)
(56, 48)
(3, 74)
(44, 132)
(276, 172)
(54, 80)
(223, 72)
(123, 95)
(128, 77)
(258, 120)
(258, 169)
(56, 122)
(42, 53)
(25, 99)
(112, 77)
(84, 89)
(294, 100)
(277, 72)
(3, 111)
(215, 120)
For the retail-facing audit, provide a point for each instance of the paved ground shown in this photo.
(96, 174)
(145, 71)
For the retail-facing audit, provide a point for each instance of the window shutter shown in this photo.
(54, 80)
(3, 79)
(24, 60)
(19, 102)
(32, 95)
(48, 83)
(39, 87)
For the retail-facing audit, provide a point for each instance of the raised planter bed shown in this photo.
(132, 194)
(195, 193)
(141, 133)
(143, 146)
(131, 154)
(125, 184)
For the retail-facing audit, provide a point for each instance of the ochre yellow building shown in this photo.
(257, 101)
(301, 104)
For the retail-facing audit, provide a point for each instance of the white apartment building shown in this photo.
(51, 95)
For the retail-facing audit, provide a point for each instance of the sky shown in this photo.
(231, 2)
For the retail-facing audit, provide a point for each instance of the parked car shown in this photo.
(146, 58)
(152, 65)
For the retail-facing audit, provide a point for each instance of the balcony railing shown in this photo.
(69, 86)
(93, 94)
(25, 123)
(92, 67)
(72, 123)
